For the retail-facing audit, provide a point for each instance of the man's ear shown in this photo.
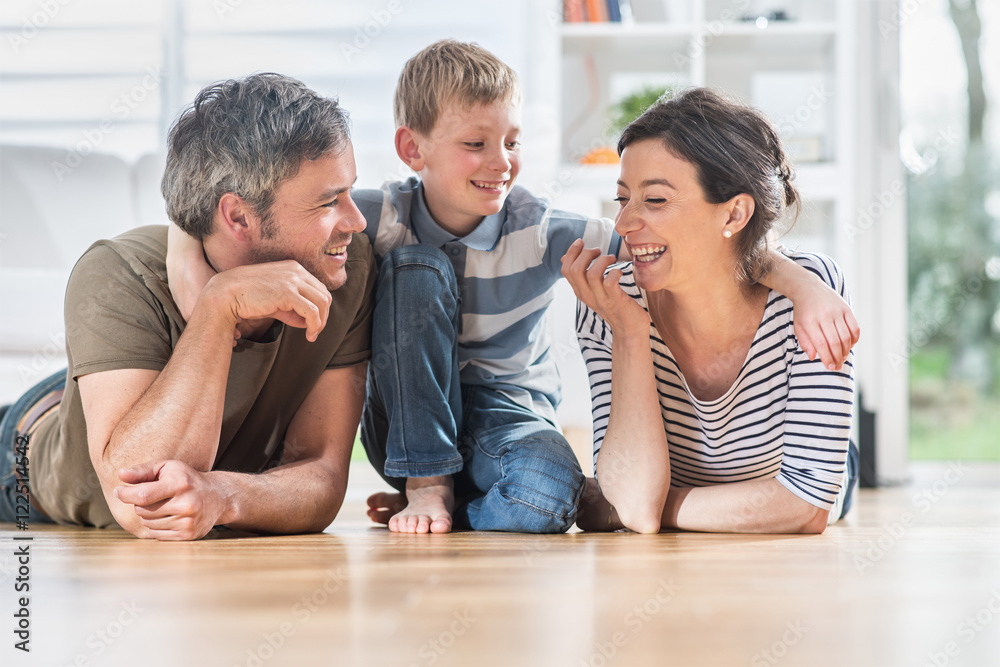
(408, 148)
(235, 217)
(739, 209)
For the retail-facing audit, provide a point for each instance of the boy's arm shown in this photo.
(187, 269)
(824, 322)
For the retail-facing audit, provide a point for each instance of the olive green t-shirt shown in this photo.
(119, 315)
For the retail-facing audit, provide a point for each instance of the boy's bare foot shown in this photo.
(426, 509)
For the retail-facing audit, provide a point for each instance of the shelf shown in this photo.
(620, 30)
(711, 29)
(776, 29)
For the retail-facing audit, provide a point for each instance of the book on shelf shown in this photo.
(597, 11)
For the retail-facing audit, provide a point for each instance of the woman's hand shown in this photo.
(584, 269)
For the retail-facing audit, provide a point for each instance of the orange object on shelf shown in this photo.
(603, 155)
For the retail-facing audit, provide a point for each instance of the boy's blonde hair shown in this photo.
(446, 72)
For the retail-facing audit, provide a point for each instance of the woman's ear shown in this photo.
(740, 209)
(408, 148)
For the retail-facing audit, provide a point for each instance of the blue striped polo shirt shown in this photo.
(506, 271)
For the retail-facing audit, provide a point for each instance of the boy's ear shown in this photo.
(408, 148)
(740, 209)
(235, 217)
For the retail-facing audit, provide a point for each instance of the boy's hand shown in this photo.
(825, 325)
(584, 269)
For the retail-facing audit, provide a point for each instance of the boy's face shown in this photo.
(469, 162)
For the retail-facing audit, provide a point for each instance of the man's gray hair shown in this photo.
(246, 136)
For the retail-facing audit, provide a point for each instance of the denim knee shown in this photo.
(418, 256)
(543, 477)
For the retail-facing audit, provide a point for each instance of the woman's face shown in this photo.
(674, 235)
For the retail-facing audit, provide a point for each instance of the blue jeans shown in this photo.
(9, 439)
(853, 466)
(513, 470)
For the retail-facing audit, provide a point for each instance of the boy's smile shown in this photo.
(468, 163)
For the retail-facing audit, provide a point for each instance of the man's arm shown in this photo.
(304, 494)
(137, 416)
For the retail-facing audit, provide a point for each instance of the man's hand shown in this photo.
(280, 290)
(172, 500)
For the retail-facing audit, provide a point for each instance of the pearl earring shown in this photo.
(727, 233)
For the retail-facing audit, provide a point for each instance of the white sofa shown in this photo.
(48, 218)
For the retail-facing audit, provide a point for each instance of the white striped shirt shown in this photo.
(784, 416)
(506, 269)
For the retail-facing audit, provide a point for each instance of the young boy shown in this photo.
(462, 388)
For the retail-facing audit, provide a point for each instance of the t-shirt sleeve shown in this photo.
(818, 410)
(113, 320)
(357, 343)
(562, 229)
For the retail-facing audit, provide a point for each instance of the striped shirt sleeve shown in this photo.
(818, 410)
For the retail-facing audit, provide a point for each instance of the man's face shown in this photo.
(313, 217)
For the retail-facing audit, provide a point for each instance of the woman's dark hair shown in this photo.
(735, 150)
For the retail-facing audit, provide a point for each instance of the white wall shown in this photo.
(99, 81)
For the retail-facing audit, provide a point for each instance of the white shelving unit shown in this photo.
(710, 45)
(805, 72)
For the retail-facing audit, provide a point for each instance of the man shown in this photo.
(170, 428)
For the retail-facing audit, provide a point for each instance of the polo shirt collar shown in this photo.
(484, 237)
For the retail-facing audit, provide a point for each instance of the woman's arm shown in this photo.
(634, 462)
(753, 506)
(824, 322)
(815, 438)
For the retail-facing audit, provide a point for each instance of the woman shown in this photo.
(708, 415)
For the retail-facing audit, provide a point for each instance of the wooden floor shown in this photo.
(911, 578)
